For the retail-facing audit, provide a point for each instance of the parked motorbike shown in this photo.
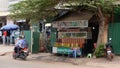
(22, 54)
(109, 54)
(109, 50)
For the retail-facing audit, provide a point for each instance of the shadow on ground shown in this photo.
(64, 59)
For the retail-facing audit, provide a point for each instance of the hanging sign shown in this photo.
(70, 24)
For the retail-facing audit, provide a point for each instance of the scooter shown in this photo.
(109, 54)
(21, 54)
(109, 50)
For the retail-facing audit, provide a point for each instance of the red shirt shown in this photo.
(5, 33)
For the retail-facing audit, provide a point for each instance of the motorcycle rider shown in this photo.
(20, 44)
(24, 42)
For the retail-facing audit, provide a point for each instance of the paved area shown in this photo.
(47, 58)
(4, 49)
(61, 61)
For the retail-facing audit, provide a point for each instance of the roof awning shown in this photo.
(73, 16)
(4, 13)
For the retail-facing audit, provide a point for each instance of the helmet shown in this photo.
(20, 36)
(23, 36)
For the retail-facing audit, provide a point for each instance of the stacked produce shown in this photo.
(70, 42)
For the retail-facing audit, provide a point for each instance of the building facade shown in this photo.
(4, 11)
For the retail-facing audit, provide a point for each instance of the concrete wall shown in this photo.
(9, 20)
(3, 5)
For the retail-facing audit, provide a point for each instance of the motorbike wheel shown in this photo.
(23, 56)
(110, 57)
(14, 56)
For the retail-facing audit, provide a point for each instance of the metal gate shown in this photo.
(35, 46)
(27, 34)
(114, 33)
(33, 40)
(53, 37)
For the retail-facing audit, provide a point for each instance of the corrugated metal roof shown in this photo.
(71, 16)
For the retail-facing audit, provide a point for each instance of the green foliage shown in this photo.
(33, 9)
(37, 9)
(105, 5)
(117, 10)
(99, 52)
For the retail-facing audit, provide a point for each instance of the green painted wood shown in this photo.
(65, 50)
(53, 37)
(35, 47)
(27, 34)
(114, 33)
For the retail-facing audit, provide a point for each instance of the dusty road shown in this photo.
(48, 61)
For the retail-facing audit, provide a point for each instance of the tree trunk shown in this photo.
(101, 27)
(101, 31)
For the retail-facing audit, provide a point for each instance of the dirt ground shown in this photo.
(47, 58)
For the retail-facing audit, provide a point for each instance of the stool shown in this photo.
(89, 55)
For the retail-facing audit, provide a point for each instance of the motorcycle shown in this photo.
(21, 54)
(109, 54)
(109, 50)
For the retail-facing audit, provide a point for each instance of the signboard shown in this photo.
(70, 24)
(64, 50)
(82, 34)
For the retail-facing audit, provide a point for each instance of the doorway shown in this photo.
(94, 28)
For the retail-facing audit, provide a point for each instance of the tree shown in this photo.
(37, 9)
(103, 10)
(33, 9)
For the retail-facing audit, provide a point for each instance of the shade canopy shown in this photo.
(9, 27)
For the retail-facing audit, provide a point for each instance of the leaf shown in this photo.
(37, 9)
